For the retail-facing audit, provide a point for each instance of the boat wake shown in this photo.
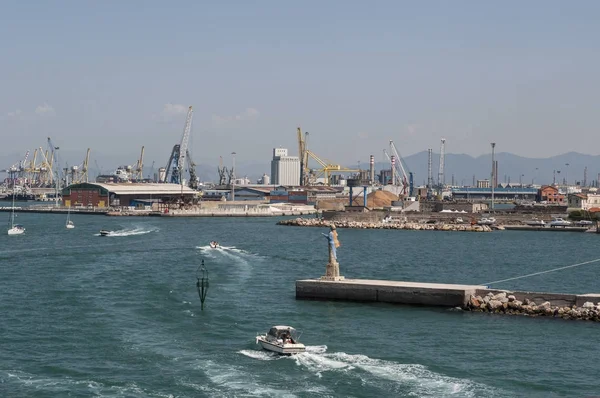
(130, 232)
(224, 249)
(412, 378)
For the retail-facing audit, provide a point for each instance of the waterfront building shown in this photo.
(285, 169)
(583, 201)
(499, 193)
(92, 194)
(550, 194)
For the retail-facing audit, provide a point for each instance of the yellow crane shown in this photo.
(309, 176)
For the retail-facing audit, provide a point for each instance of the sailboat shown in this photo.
(69, 223)
(14, 229)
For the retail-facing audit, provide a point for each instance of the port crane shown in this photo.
(223, 173)
(79, 173)
(399, 170)
(174, 169)
(138, 172)
(309, 176)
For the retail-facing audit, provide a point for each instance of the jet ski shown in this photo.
(214, 244)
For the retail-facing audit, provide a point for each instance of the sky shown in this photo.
(115, 75)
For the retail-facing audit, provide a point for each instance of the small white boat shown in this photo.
(214, 244)
(559, 222)
(487, 221)
(282, 340)
(584, 223)
(535, 222)
(104, 232)
(69, 224)
(16, 230)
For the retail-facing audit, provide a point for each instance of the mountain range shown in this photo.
(463, 168)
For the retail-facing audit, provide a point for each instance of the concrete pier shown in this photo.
(432, 294)
(467, 297)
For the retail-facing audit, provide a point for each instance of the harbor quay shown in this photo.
(475, 298)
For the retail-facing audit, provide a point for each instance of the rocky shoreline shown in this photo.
(503, 303)
(314, 222)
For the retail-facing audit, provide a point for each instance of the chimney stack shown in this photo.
(372, 169)
(393, 170)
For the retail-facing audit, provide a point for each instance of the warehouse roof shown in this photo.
(137, 188)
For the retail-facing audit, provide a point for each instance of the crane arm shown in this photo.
(183, 147)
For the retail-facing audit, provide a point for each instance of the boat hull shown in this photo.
(283, 349)
(70, 226)
(16, 231)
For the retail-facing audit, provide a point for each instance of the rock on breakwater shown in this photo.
(506, 303)
(314, 222)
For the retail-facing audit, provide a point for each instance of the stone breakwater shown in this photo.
(503, 303)
(314, 222)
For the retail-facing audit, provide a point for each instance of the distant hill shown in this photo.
(462, 166)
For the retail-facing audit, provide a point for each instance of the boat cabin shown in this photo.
(283, 333)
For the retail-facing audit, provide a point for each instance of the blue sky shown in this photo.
(116, 75)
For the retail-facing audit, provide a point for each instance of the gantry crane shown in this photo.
(138, 172)
(399, 170)
(174, 169)
(223, 173)
(79, 173)
(309, 176)
(303, 155)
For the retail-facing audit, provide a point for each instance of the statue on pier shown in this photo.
(332, 271)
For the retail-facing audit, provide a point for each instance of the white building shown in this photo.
(285, 170)
(583, 201)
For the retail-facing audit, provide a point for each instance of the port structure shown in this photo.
(179, 156)
(79, 173)
(42, 169)
(441, 176)
(138, 171)
(326, 168)
(399, 170)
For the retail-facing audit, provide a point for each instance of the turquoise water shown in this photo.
(119, 316)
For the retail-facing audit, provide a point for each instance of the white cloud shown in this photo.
(170, 112)
(45, 110)
(412, 129)
(247, 115)
(174, 109)
(15, 115)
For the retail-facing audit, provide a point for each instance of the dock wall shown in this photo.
(431, 294)
(428, 294)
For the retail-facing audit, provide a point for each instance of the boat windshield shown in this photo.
(281, 333)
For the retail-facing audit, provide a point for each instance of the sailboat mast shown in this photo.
(12, 213)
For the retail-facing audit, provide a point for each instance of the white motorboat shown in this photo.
(104, 232)
(584, 223)
(487, 221)
(559, 222)
(282, 340)
(214, 244)
(535, 222)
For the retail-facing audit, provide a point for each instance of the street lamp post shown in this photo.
(493, 173)
(233, 177)
(567, 175)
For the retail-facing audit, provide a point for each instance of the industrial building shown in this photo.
(285, 170)
(499, 193)
(119, 195)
